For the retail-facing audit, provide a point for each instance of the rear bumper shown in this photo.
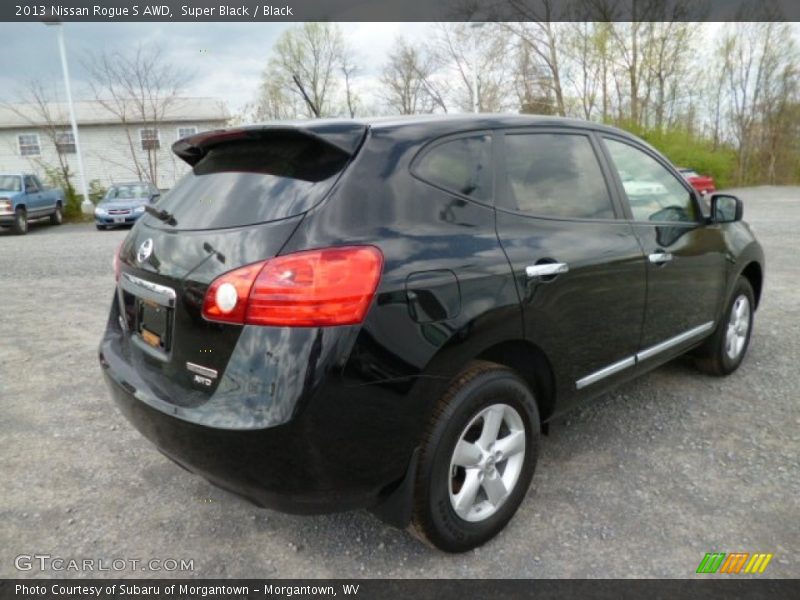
(276, 468)
(340, 447)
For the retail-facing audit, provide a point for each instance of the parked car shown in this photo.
(23, 198)
(124, 203)
(702, 183)
(333, 315)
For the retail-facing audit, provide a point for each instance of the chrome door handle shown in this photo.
(546, 269)
(659, 258)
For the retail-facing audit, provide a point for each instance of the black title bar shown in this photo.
(399, 10)
(385, 589)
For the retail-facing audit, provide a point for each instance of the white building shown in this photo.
(108, 144)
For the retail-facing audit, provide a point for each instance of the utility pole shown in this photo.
(476, 105)
(86, 206)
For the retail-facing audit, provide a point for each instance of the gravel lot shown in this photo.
(641, 483)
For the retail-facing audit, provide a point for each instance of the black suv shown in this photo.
(332, 315)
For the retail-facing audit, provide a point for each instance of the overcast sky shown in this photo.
(227, 58)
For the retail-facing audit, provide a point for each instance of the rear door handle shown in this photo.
(660, 257)
(546, 269)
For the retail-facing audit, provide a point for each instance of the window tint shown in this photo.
(555, 175)
(461, 165)
(653, 192)
(253, 181)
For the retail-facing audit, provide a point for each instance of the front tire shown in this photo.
(20, 225)
(724, 351)
(57, 217)
(478, 457)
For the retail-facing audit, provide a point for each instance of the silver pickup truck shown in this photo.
(23, 198)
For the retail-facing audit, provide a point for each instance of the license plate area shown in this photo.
(148, 311)
(154, 324)
(119, 219)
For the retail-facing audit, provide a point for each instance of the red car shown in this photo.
(702, 183)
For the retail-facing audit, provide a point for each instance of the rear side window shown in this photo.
(461, 165)
(555, 175)
(244, 182)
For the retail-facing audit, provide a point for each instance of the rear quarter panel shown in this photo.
(425, 234)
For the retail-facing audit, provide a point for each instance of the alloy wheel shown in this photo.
(487, 462)
(738, 327)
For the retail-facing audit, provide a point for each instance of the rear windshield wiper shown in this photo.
(161, 215)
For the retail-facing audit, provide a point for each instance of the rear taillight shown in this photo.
(330, 286)
(115, 261)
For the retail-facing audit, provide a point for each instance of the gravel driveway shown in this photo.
(640, 483)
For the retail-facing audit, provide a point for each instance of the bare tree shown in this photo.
(37, 109)
(349, 70)
(484, 52)
(406, 79)
(138, 88)
(305, 62)
(275, 102)
(541, 36)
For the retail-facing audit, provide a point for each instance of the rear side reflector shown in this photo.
(313, 288)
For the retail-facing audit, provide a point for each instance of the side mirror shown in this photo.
(726, 208)
(154, 198)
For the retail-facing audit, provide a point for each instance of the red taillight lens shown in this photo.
(330, 286)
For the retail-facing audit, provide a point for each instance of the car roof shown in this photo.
(455, 122)
(347, 134)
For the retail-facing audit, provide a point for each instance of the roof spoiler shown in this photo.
(345, 136)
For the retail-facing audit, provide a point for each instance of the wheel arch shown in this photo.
(755, 275)
(532, 365)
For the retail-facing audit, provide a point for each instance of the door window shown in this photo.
(555, 175)
(654, 194)
(461, 165)
(30, 185)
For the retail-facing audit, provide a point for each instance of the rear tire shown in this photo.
(723, 352)
(57, 217)
(100, 227)
(20, 225)
(478, 457)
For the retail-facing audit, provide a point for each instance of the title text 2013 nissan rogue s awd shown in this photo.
(330, 315)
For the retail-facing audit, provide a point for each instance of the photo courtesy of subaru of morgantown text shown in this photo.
(386, 313)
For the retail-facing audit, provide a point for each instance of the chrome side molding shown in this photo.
(674, 341)
(606, 372)
(643, 355)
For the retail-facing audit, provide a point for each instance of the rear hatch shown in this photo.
(246, 194)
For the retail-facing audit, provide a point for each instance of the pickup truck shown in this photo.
(23, 198)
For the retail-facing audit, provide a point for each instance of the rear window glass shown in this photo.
(461, 165)
(252, 181)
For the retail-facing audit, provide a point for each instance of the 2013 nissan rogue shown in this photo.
(338, 314)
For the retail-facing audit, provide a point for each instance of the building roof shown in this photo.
(25, 116)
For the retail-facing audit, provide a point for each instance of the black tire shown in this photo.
(480, 387)
(100, 227)
(20, 225)
(713, 357)
(57, 217)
